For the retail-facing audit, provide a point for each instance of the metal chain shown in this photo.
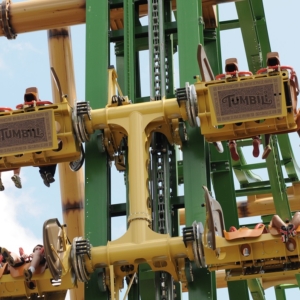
(156, 50)
(161, 156)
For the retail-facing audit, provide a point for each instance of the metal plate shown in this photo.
(27, 132)
(246, 100)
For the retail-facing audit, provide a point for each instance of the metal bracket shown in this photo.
(79, 111)
(4, 21)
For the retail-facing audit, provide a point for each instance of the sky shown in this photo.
(24, 62)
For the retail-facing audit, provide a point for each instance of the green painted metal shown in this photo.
(277, 182)
(256, 289)
(129, 49)
(298, 279)
(190, 34)
(238, 290)
(280, 293)
(187, 31)
(254, 31)
(290, 164)
(96, 179)
(222, 172)
(222, 178)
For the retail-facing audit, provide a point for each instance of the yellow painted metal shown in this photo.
(141, 245)
(13, 287)
(266, 253)
(265, 281)
(27, 131)
(36, 15)
(36, 155)
(42, 14)
(71, 183)
(221, 118)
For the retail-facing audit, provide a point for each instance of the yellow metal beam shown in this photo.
(71, 183)
(37, 15)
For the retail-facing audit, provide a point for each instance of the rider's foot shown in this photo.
(284, 234)
(267, 151)
(27, 274)
(233, 151)
(1, 186)
(255, 143)
(17, 181)
(46, 183)
(291, 230)
(49, 177)
(7, 257)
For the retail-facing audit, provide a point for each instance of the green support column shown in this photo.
(256, 289)
(190, 34)
(129, 49)
(280, 293)
(97, 171)
(222, 178)
(277, 182)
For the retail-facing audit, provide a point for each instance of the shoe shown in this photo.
(50, 178)
(1, 186)
(7, 257)
(27, 274)
(291, 230)
(284, 234)
(256, 143)
(219, 146)
(267, 151)
(46, 183)
(233, 151)
(17, 181)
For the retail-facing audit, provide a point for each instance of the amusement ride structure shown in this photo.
(141, 136)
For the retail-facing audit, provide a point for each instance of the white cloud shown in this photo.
(13, 233)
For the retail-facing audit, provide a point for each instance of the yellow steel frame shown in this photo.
(243, 124)
(61, 129)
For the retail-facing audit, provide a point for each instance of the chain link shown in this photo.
(162, 156)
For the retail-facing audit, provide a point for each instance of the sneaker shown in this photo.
(17, 181)
(233, 151)
(284, 234)
(50, 178)
(291, 230)
(256, 143)
(27, 275)
(267, 151)
(7, 257)
(219, 146)
(46, 183)
(1, 186)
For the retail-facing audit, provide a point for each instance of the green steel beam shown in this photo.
(261, 28)
(228, 25)
(277, 181)
(298, 279)
(256, 289)
(279, 293)
(96, 179)
(142, 32)
(254, 31)
(190, 34)
(129, 49)
(238, 290)
(222, 179)
(288, 158)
